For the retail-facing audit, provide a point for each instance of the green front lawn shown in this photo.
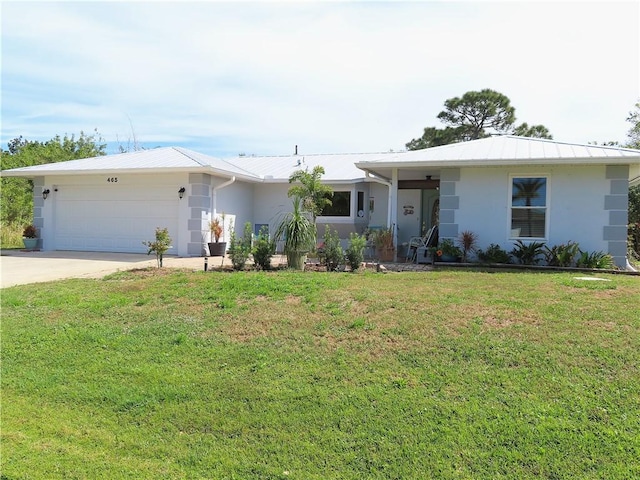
(171, 374)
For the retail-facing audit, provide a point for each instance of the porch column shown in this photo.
(617, 204)
(393, 210)
(198, 215)
(449, 203)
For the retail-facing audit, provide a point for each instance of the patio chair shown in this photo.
(420, 245)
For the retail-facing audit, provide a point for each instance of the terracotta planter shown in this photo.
(385, 254)
(217, 249)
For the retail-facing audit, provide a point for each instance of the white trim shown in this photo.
(547, 207)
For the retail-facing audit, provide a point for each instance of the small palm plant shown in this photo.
(298, 233)
(562, 255)
(595, 260)
(527, 253)
(468, 241)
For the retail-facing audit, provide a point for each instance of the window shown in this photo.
(340, 205)
(528, 207)
(360, 208)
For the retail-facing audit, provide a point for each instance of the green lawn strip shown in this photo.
(321, 376)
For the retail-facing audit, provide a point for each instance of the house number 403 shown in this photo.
(112, 179)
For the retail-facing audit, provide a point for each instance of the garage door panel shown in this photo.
(113, 218)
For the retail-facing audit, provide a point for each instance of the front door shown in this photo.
(430, 208)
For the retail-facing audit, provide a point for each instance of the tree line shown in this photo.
(16, 207)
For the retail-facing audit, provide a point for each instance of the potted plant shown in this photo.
(383, 240)
(446, 251)
(299, 235)
(30, 237)
(216, 247)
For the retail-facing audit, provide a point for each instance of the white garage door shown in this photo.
(113, 218)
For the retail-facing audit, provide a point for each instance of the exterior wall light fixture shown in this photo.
(45, 193)
(181, 192)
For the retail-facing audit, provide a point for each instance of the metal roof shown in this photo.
(338, 167)
(504, 150)
(346, 168)
(514, 150)
(157, 159)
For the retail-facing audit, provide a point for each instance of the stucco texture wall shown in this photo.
(576, 208)
(236, 199)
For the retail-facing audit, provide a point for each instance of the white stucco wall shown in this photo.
(576, 204)
(237, 200)
(380, 193)
(271, 202)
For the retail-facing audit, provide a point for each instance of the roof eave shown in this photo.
(499, 162)
(121, 171)
(268, 180)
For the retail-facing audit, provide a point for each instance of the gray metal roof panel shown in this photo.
(215, 163)
(172, 158)
(498, 150)
(509, 149)
(337, 167)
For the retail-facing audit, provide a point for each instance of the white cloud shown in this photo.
(261, 77)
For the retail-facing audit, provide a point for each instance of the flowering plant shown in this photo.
(447, 247)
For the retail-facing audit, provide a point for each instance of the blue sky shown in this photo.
(258, 78)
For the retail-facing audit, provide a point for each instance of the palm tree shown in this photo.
(298, 233)
(313, 193)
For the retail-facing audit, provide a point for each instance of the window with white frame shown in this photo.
(340, 205)
(529, 207)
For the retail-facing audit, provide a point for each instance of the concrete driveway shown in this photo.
(19, 267)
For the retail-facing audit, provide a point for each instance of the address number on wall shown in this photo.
(112, 179)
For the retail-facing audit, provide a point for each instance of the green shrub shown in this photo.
(355, 251)
(447, 247)
(263, 249)
(10, 235)
(161, 244)
(527, 254)
(595, 260)
(493, 254)
(633, 241)
(563, 255)
(333, 253)
(240, 248)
